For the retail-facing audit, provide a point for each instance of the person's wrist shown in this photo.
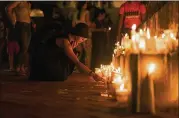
(90, 73)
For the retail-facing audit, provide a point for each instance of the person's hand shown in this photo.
(96, 77)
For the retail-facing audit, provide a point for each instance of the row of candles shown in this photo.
(142, 42)
(115, 81)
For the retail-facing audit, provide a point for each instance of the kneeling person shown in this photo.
(55, 60)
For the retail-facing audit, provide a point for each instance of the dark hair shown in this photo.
(79, 7)
(81, 29)
(100, 11)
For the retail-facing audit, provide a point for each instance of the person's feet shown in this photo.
(21, 72)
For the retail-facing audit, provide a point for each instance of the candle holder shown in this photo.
(122, 96)
(118, 86)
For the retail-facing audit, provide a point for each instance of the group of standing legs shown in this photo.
(18, 44)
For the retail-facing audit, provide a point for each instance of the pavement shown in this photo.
(78, 97)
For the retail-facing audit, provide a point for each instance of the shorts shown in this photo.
(13, 47)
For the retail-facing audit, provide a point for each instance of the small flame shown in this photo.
(151, 68)
(117, 80)
(134, 27)
(121, 88)
(142, 44)
(126, 35)
(172, 36)
(155, 37)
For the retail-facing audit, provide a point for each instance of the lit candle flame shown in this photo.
(117, 80)
(126, 35)
(142, 44)
(121, 89)
(155, 37)
(134, 27)
(151, 68)
(172, 36)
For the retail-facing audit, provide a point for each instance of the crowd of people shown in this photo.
(53, 52)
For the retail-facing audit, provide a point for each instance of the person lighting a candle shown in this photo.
(55, 59)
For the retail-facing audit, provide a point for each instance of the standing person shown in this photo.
(54, 60)
(99, 39)
(99, 21)
(131, 12)
(82, 14)
(23, 28)
(12, 46)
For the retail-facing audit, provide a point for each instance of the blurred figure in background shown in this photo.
(131, 12)
(99, 39)
(22, 11)
(100, 19)
(12, 49)
(12, 46)
(82, 16)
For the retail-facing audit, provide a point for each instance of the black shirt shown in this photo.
(50, 63)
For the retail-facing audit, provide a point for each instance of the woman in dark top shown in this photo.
(55, 59)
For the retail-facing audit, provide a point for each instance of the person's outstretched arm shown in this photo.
(69, 51)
